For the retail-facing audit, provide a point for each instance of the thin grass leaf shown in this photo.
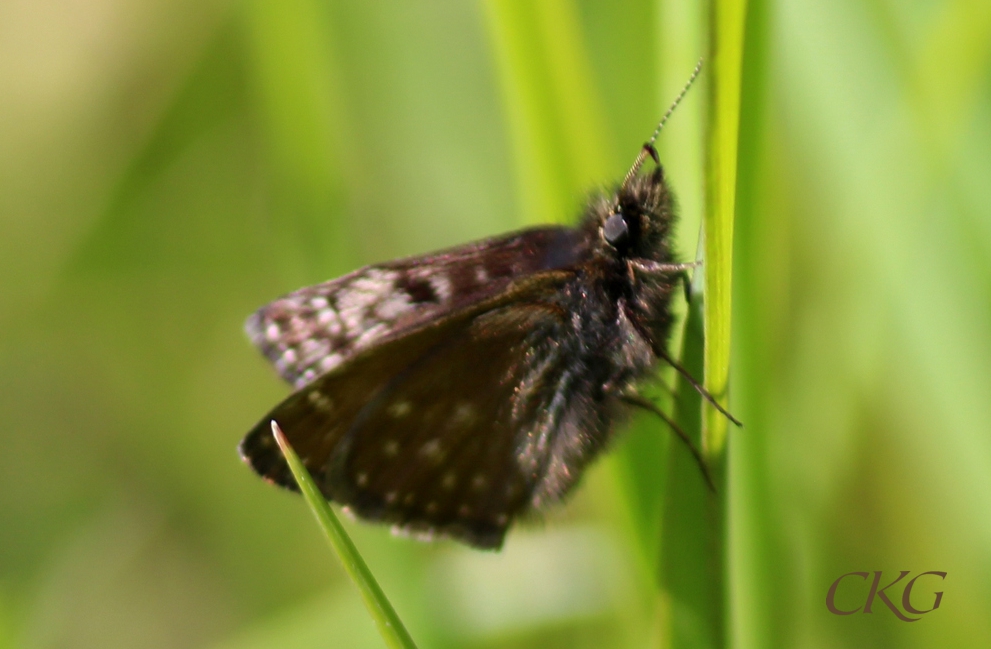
(695, 545)
(755, 547)
(691, 559)
(389, 625)
(727, 23)
(555, 121)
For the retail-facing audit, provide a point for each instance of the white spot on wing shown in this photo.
(297, 324)
(313, 348)
(369, 335)
(327, 318)
(417, 534)
(464, 413)
(400, 409)
(431, 449)
(330, 361)
(394, 305)
(376, 281)
(355, 299)
(272, 332)
(287, 361)
(320, 401)
(353, 318)
(441, 285)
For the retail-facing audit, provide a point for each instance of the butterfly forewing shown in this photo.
(316, 329)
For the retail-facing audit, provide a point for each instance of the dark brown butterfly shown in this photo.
(449, 394)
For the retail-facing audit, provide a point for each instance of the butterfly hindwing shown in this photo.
(316, 417)
(439, 449)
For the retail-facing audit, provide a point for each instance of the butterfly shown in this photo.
(452, 393)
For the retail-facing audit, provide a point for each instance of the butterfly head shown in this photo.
(636, 223)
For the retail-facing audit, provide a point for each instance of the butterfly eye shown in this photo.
(615, 229)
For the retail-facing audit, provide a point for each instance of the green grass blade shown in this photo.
(695, 547)
(386, 619)
(553, 113)
(727, 22)
(693, 517)
(755, 545)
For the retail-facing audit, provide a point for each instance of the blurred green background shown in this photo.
(168, 167)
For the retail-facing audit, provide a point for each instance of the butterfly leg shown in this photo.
(648, 266)
(661, 353)
(698, 386)
(680, 271)
(648, 405)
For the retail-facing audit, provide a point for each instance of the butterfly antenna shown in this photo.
(648, 148)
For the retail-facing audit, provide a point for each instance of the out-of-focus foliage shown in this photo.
(167, 167)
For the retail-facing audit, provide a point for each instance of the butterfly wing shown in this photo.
(382, 333)
(417, 412)
(446, 446)
(318, 328)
